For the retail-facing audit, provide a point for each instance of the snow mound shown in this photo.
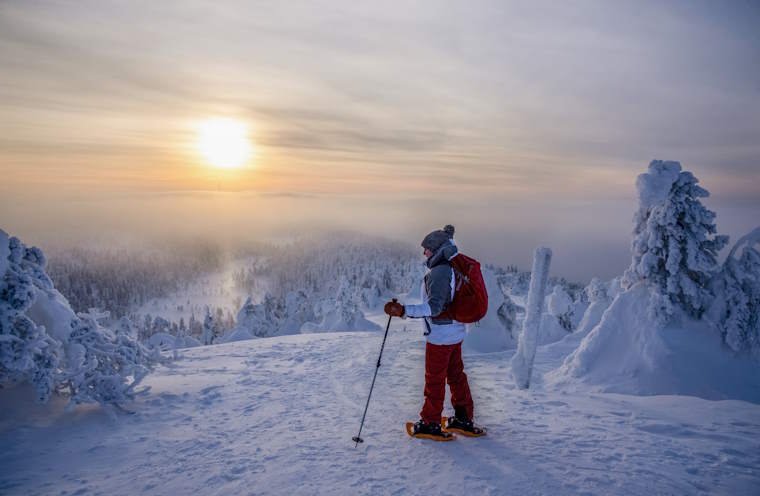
(165, 341)
(627, 352)
(237, 334)
(345, 317)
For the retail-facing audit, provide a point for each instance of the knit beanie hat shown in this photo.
(437, 238)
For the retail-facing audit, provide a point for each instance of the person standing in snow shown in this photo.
(443, 350)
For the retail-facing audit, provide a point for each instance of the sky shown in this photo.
(522, 123)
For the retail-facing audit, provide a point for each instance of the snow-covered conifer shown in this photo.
(27, 352)
(209, 328)
(737, 312)
(674, 246)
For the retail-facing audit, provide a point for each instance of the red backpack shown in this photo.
(470, 302)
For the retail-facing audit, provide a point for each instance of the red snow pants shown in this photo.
(442, 363)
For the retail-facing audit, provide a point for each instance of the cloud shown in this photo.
(425, 109)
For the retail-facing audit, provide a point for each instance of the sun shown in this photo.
(224, 143)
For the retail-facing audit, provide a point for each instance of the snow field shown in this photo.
(276, 416)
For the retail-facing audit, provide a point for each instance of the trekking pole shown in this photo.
(358, 438)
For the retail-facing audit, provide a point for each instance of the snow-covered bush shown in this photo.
(298, 311)
(507, 313)
(341, 312)
(561, 307)
(103, 366)
(43, 342)
(598, 295)
(256, 320)
(674, 246)
(737, 311)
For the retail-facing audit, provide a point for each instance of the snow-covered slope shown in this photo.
(276, 416)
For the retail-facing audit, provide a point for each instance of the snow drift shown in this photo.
(627, 352)
(490, 334)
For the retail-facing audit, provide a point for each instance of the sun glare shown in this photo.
(224, 143)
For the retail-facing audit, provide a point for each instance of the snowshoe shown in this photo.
(463, 427)
(423, 430)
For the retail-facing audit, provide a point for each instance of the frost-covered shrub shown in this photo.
(561, 307)
(596, 290)
(104, 366)
(674, 246)
(507, 314)
(340, 312)
(298, 311)
(738, 311)
(258, 319)
(44, 343)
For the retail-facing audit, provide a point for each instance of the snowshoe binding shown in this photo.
(463, 427)
(431, 431)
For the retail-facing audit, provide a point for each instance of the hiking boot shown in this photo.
(457, 423)
(465, 427)
(422, 427)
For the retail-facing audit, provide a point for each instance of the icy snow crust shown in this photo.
(276, 416)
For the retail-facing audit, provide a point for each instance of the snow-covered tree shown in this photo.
(674, 244)
(27, 352)
(43, 342)
(209, 328)
(737, 310)
(596, 291)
